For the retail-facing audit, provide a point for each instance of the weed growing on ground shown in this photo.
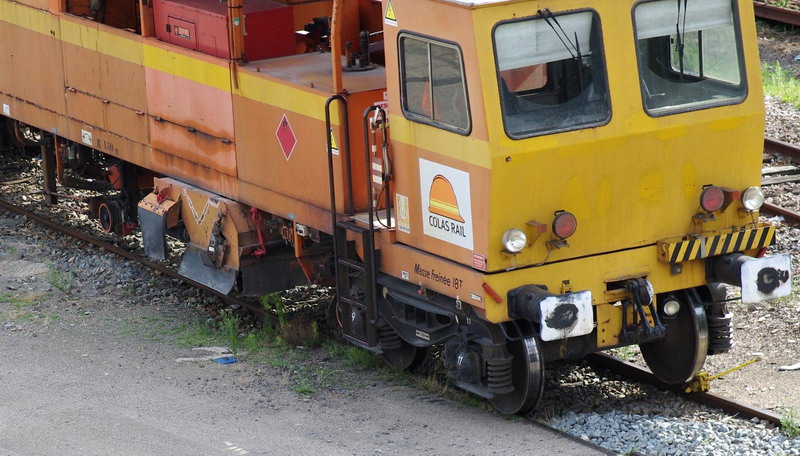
(790, 421)
(202, 334)
(781, 83)
(363, 359)
(303, 388)
(229, 326)
(62, 281)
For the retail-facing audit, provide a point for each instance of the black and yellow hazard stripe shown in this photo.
(700, 246)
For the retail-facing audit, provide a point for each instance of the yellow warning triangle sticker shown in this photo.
(390, 17)
(334, 147)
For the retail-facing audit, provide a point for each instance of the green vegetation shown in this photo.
(790, 421)
(229, 326)
(781, 83)
(202, 334)
(294, 333)
(21, 306)
(60, 280)
(626, 353)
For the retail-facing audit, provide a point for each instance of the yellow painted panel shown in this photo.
(193, 69)
(30, 18)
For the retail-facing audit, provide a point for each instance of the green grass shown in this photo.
(790, 421)
(203, 333)
(229, 326)
(64, 281)
(304, 389)
(781, 83)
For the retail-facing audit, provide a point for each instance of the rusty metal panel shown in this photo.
(126, 122)
(31, 57)
(85, 108)
(190, 106)
(193, 145)
(81, 59)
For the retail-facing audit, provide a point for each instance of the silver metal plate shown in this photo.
(567, 315)
(767, 278)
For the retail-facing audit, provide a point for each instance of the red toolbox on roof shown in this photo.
(202, 25)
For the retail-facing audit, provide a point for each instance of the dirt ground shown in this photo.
(98, 370)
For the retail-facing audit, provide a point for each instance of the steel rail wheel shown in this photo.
(398, 353)
(107, 215)
(527, 377)
(407, 357)
(680, 355)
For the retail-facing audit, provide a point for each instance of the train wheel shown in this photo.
(527, 377)
(398, 353)
(680, 355)
(408, 357)
(108, 216)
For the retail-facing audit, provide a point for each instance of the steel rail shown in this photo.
(774, 13)
(55, 226)
(630, 370)
(774, 146)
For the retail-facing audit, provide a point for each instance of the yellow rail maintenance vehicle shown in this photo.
(515, 181)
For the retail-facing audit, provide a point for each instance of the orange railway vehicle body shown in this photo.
(453, 167)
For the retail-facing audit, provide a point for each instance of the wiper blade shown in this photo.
(547, 13)
(680, 35)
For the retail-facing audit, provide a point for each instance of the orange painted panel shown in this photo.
(127, 123)
(102, 75)
(239, 190)
(263, 162)
(39, 4)
(34, 115)
(85, 108)
(123, 83)
(190, 103)
(191, 120)
(31, 67)
(194, 146)
(82, 65)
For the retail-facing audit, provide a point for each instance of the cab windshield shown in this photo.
(689, 55)
(551, 73)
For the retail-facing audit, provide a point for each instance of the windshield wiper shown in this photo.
(680, 35)
(549, 14)
(576, 45)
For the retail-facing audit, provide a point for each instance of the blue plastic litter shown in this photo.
(797, 57)
(225, 360)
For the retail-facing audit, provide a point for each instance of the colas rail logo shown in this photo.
(447, 211)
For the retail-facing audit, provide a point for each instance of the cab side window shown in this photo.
(432, 85)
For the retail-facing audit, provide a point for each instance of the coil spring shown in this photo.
(499, 374)
(720, 333)
(389, 339)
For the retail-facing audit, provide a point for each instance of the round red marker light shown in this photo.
(564, 225)
(712, 198)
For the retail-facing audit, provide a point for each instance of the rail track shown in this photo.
(623, 368)
(778, 14)
(774, 146)
(71, 232)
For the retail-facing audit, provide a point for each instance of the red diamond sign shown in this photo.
(286, 137)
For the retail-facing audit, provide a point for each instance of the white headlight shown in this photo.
(753, 198)
(514, 240)
(672, 307)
